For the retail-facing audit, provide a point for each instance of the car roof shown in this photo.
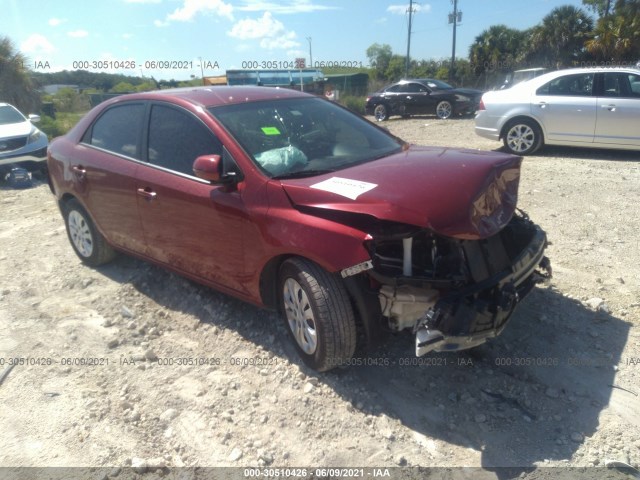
(536, 69)
(420, 80)
(544, 78)
(214, 96)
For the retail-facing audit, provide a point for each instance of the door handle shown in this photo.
(80, 171)
(542, 104)
(611, 108)
(147, 193)
(408, 97)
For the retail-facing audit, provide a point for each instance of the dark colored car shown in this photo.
(422, 97)
(292, 202)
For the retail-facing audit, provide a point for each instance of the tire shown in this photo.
(444, 109)
(317, 313)
(522, 137)
(88, 243)
(381, 112)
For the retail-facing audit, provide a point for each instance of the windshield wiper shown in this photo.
(302, 174)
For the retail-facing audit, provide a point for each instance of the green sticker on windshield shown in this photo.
(270, 131)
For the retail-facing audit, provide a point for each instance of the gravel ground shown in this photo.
(129, 365)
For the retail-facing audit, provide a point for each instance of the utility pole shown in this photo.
(310, 55)
(454, 18)
(406, 67)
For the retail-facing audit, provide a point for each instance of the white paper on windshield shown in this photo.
(346, 187)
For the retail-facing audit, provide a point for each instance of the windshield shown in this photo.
(303, 136)
(9, 115)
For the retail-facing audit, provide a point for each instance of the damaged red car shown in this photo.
(294, 203)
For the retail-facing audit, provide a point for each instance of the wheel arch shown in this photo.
(520, 118)
(67, 197)
(364, 302)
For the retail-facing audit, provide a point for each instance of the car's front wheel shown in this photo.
(444, 109)
(317, 313)
(381, 112)
(522, 137)
(86, 240)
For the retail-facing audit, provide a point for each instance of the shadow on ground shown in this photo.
(533, 394)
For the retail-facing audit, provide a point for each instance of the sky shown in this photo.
(177, 39)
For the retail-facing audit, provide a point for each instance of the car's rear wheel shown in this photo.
(317, 313)
(88, 243)
(444, 109)
(381, 112)
(522, 137)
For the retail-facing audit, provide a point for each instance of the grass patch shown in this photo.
(355, 104)
(54, 127)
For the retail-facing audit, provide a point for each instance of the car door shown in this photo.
(104, 171)
(566, 107)
(618, 112)
(417, 100)
(189, 224)
(395, 98)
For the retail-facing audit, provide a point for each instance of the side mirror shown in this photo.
(34, 118)
(209, 167)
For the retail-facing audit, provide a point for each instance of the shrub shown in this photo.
(355, 104)
(50, 126)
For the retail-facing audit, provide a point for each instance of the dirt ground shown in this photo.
(129, 365)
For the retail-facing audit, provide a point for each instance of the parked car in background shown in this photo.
(294, 203)
(422, 97)
(21, 143)
(519, 76)
(588, 107)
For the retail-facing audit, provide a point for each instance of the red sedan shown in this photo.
(294, 203)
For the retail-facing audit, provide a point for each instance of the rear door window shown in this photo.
(575, 85)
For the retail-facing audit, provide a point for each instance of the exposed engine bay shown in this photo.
(454, 294)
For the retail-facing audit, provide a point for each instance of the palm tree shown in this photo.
(496, 49)
(616, 37)
(560, 40)
(15, 85)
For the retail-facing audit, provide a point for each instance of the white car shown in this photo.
(585, 107)
(21, 143)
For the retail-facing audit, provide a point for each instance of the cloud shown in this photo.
(54, 22)
(403, 9)
(127, 36)
(78, 34)
(36, 43)
(283, 41)
(284, 7)
(191, 8)
(270, 31)
(142, 1)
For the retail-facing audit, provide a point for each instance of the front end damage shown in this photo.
(450, 256)
(454, 294)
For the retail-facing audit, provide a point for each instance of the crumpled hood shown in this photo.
(465, 194)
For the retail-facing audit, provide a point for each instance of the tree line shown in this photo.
(566, 37)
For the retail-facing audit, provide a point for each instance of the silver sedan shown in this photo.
(586, 107)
